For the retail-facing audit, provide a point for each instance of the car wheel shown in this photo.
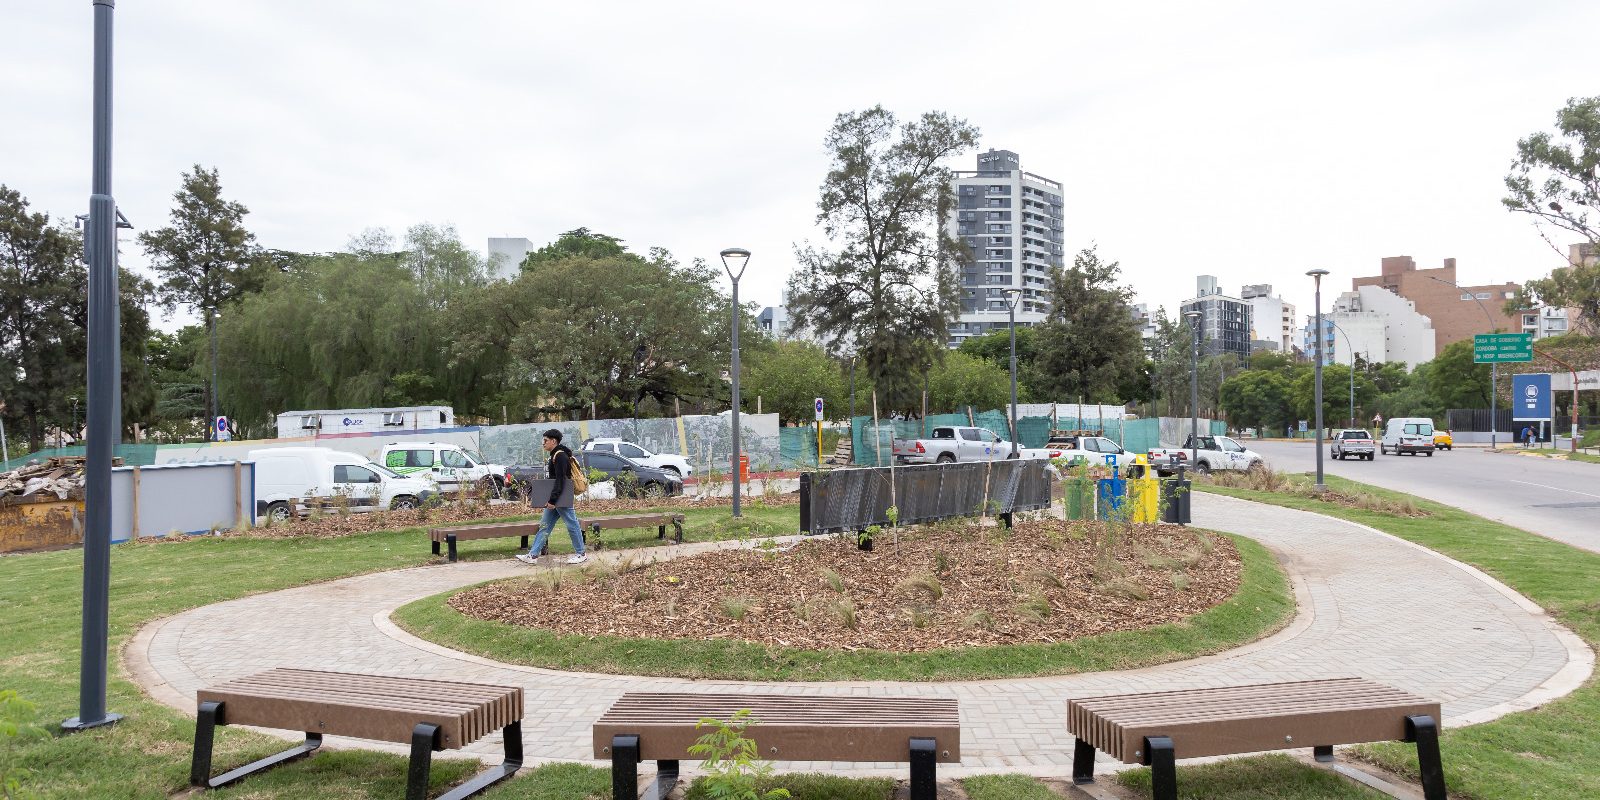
(278, 512)
(487, 487)
(653, 490)
(1203, 468)
(672, 470)
(1429, 454)
(404, 502)
(946, 458)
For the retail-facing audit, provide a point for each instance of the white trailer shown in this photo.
(365, 420)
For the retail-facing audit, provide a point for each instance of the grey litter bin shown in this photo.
(1175, 493)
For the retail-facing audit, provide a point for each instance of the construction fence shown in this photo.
(873, 445)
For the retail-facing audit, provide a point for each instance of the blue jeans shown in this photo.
(547, 523)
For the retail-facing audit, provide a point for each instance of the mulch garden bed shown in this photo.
(942, 587)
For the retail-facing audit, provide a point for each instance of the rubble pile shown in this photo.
(61, 477)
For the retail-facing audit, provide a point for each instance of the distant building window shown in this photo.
(1530, 319)
(1466, 295)
(1484, 295)
(1509, 295)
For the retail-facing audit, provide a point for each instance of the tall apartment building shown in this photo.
(1146, 324)
(1375, 324)
(1012, 221)
(1224, 321)
(1272, 321)
(1457, 313)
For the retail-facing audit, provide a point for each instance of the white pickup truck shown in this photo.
(1214, 453)
(951, 444)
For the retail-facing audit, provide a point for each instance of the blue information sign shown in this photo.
(1530, 397)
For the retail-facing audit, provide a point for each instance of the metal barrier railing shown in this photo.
(856, 499)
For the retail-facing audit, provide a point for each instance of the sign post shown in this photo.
(818, 405)
(222, 430)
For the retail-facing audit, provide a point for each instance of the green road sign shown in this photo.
(1500, 347)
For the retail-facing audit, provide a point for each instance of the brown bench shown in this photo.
(1157, 729)
(491, 530)
(661, 727)
(431, 715)
(597, 524)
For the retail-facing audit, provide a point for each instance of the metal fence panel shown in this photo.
(854, 499)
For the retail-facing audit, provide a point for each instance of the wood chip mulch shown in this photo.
(942, 587)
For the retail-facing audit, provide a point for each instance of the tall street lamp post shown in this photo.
(105, 401)
(1012, 296)
(1316, 277)
(734, 260)
(1194, 386)
(1494, 370)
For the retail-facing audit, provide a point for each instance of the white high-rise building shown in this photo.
(1377, 325)
(1272, 320)
(505, 256)
(1013, 223)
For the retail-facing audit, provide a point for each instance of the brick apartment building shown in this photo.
(1455, 312)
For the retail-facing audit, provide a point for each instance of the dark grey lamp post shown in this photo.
(1012, 297)
(1316, 277)
(734, 260)
(1194, 387)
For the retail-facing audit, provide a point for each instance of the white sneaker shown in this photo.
(527, 559)
(577, 559)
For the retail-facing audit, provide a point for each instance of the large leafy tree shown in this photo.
(1555, 179)
(1089, 346)
(887, 285)
(1259, 398)
(995, 347)
(576, 242)
(789, 376)
(962, 380)
(205, 258)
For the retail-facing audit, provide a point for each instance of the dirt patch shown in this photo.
(942, 587)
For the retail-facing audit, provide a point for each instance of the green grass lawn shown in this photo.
(1587, 458)
(1551, 752)
(147, 755)
(1262, 605)
(1006, 787)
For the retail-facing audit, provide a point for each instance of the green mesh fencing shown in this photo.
(797, 448)
(1219, 428)
(132, 455)
(1139, 435)
(1033, 431)
(873, 447)
(995, 421)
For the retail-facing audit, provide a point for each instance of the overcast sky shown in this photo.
(1252, 141)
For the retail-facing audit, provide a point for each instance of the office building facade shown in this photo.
(1272, 321)
(1224, 322)
(1012, 222)
(1457, 312)
(1375, 325)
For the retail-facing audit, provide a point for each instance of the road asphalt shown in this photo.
(1558, 499)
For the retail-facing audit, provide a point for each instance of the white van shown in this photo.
(1403, 435)
(286, 473)
(449, 465)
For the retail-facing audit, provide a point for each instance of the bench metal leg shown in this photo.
(424, 740)
(625, 767)
(489, 777)
(1163, 761)
(666, 780)
(593, 544)
(1323, 753)
(1082, 762)
(435, 544)
(1422, 729)
(1006, 518)
(211, 715)
(524, 543)
(677, 532)
(661, 531)
(924, 769)
(450, 545)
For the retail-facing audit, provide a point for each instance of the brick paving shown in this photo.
(1370, 605)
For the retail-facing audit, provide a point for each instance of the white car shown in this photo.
(284, 474)
(676, 464)
(451, 466)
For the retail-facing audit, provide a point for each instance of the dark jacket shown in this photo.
(559, 469)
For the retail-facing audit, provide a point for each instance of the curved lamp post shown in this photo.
(1316, 277)
(1194, 386)
(1012, 297)
(734, 260)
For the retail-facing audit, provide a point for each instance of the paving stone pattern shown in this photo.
(1377, 608)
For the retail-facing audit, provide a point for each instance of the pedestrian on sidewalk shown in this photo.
(559, 505)
(1527, 436)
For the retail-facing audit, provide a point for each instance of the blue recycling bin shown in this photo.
(1111, 494)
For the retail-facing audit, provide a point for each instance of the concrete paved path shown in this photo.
(1370, 605)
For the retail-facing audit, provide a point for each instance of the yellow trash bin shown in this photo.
(1144, 491)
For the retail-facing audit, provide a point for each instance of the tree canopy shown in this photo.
(1089, 346)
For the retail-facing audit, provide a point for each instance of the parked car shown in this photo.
(1213, 453)
(1353, 442)
(284, 474)
(951, 444)
(1404, 435)
(1444, 440)
(451, 466)
(647, 481)
(638, 454)
(1094, 449)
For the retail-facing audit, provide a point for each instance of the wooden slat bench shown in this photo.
(660, 727)
(491, 530)
(597, 524)
(430, 715)
(1157, 729)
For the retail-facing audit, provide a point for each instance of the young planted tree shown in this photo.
(205, 258)
(1089, 346)
(789, 376)
(887, 286)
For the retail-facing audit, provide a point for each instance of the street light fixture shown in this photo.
(1194, 386)
(1012, 297)
(734, 260)
(1316, 277)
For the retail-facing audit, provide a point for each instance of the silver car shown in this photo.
(1353, 442)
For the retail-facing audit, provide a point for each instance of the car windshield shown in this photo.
(1419, 428)
(476, 457)
(382, 470)
(1357, 435)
